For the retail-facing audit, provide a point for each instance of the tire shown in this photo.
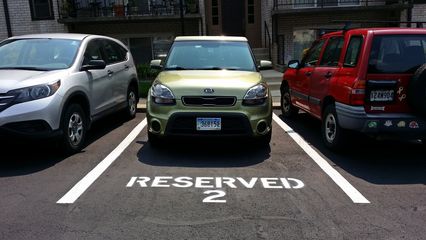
(74, 127)
(287, 108)
(334, 137)
(416, 94)
(131, 103)
(153, 140)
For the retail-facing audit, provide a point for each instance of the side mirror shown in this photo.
(265, 65)
(294, 64)
(156, 64)
(94, 64)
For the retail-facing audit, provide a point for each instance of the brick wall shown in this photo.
(134, 29)
(288, 23)
(3, 29)
(203, 17)
(266, 11)
(21, 22)
(419, 12)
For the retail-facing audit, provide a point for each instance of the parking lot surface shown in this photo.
(212, 189)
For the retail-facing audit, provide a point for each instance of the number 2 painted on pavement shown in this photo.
(215, 194)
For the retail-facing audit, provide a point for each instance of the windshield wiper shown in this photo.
(217, 68)
(176, 68)
(26, 68)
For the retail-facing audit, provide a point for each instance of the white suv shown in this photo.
(58, 84)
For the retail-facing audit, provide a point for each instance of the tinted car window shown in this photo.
(313, 54)
(332, 52)
(93, 52)
(352, 53)
(210, 55)
(40, 53)
(114, 52)
(397, 54)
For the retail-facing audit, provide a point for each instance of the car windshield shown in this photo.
(210, 55)
(38, 54)
(397, 54)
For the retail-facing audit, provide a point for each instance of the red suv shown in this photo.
(367, 80)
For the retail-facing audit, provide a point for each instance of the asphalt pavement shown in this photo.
(192, 189)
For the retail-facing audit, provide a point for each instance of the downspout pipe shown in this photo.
(7, 18)
(410, 14)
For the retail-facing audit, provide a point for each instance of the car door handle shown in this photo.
(308, 74)
(110, 73)
(126, 67)
(328, 75)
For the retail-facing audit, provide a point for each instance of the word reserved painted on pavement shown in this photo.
(215, 183)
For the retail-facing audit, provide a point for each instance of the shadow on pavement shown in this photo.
(204, 153)
(22, 157)
(378, 162)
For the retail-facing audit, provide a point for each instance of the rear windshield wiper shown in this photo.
(25, 68)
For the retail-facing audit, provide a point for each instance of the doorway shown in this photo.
(233, 17)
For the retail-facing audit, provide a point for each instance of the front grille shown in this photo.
(5, 101)
(185, 124)
(208, 101)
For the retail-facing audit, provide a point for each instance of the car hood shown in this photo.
(15, 79)
(223, 82)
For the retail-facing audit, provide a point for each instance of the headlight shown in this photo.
(34, 92)
(256, 95)
(162, 94)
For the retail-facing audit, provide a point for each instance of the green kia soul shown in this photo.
(209, 86)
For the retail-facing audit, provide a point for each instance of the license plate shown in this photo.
(209, 124)
(382, 96)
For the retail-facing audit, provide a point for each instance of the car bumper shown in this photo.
(237, 120)
(355, 118)
(39, 118)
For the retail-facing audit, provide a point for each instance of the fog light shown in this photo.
(262, 127)
(155, 126)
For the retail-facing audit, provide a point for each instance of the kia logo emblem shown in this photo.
(209, 90)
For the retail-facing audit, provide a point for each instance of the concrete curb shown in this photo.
(142, 104)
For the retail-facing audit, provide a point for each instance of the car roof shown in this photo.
(384, 30)
(72, 36)
(211, 38)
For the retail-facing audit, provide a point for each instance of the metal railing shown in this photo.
(306, 4)
(268, 40)
(117, 8)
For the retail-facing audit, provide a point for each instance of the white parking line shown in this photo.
(72, 195)
(350, 190)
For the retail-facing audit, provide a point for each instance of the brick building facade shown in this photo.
(28, 16)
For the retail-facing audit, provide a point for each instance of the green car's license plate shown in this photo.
(209, 124)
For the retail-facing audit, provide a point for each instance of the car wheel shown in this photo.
(131, 103)
(74, 124)
(333, 135)
(287, 108)
(153, 140)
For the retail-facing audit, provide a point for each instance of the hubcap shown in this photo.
(286, 102)
(75, 129)
(132, 102)
(330, 128)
